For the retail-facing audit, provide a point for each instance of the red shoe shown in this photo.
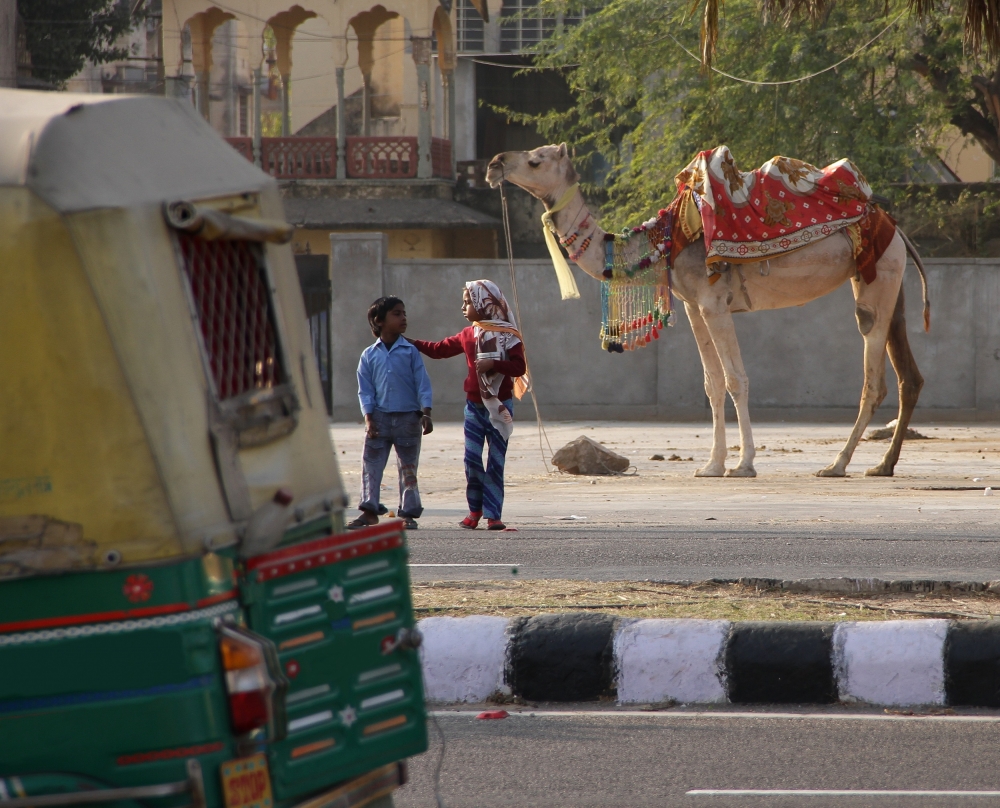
(471, 522)
(495, 524)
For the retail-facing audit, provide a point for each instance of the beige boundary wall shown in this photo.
(804, 363)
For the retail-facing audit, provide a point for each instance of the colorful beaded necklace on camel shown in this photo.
(636, 302)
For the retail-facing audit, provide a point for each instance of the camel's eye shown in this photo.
(534, 163)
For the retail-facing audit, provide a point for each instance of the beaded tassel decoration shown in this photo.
(635, 295)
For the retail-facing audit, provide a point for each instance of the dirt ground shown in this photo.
(940, 480)
(514, 598)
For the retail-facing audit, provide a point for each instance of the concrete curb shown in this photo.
(583, 656)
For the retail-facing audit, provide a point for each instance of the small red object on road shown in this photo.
(493, 714)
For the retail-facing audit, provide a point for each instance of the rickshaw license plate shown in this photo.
(246, 783)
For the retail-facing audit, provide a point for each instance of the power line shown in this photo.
(868, 44)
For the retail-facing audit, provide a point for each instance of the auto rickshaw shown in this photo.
(183, 620)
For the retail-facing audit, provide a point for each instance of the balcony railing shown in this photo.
(292, 158)
(383, 157)
(244, 145)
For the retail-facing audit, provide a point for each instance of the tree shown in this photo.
(646, 106)
(62, 35)
(955, 74)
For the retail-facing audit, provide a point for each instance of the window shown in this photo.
(521, 30)
(470, 28)
(233, 304)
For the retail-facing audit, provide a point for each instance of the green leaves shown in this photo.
(64, 34)
(643, 107)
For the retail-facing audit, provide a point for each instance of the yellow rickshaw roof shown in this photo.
(85, 151)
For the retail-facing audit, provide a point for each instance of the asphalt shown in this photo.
(629, 759)
(931, 521)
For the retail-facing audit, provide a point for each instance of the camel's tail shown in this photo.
(923, 276)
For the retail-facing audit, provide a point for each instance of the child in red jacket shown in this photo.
(495, 357)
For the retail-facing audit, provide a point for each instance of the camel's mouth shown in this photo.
(494, 176)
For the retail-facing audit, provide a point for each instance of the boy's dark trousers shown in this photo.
(402, 430)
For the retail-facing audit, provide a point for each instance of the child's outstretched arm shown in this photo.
(451, 346)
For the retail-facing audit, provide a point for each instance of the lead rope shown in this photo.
(517, 308)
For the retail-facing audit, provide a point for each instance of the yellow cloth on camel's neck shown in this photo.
(567, 283)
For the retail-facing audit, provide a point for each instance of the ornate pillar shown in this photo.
(258, 115)
(422, 58)
(286, 104)
(448, 88)
(341, 127)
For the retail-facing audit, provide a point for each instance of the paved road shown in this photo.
(629, 760)
(968, 552)
(931, 520)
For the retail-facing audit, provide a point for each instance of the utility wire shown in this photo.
(868, 44)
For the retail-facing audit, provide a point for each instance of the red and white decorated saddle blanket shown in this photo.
(782, 206)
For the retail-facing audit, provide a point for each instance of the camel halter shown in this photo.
(567, 283)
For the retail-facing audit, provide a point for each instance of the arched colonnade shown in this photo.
(258, 68)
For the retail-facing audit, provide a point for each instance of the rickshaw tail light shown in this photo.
(248, 711)
(239, 652)
(251, 684)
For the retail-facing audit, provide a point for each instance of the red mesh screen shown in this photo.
(234, 308)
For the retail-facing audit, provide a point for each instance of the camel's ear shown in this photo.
(562, 150)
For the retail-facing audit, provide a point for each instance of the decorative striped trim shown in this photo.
(170, 754)
(119, 627)
(45, 702)
(119, 614)
(312, 748)
(382, 726)
(328, 550)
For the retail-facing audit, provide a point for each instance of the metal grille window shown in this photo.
(470, 28)
(520, 29)
(234, 307)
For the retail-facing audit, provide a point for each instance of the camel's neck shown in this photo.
(582, 236)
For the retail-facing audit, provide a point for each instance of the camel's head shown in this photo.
(543, 172)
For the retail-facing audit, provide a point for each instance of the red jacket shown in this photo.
(465, 342)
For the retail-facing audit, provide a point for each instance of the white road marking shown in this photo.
(817, 792)
(974, 719)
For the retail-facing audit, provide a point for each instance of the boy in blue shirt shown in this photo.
(395, 394)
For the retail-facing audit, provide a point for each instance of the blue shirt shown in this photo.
(393, 379)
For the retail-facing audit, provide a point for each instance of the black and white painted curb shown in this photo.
(585, 656)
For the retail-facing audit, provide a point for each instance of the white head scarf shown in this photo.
(493, 343)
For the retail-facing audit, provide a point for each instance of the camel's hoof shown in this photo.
(881, 470)
(711, 470)
(832, 471)
(742, 471)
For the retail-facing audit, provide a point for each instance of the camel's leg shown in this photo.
(874, 302)
(910, 384)
(720, 326)
(715, 389)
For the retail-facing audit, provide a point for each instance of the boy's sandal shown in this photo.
(409, 523)
(495, 524)
(471, 521)
(360, 522)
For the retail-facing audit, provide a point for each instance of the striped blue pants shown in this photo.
(484, 485)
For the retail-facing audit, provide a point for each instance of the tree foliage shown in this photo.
(62, 35)
(644, 107)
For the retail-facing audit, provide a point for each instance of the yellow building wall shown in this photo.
(966, 158)
(413, 244)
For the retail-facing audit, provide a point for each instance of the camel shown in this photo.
(792, 279)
